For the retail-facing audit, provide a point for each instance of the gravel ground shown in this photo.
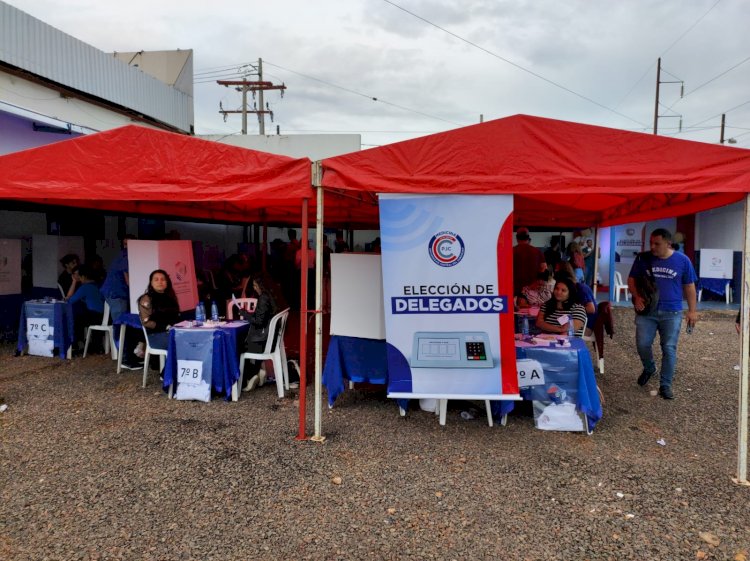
(94, 467)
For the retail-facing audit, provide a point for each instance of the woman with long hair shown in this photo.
(556, 313)
(259, 321)
(158, 308)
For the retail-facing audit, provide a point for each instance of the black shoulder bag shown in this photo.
(646, 286)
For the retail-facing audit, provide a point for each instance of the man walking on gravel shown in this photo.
(674, 277)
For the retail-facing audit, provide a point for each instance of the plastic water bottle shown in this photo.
(200, 314)
(571, 328)
(214, 312)
(524, 325)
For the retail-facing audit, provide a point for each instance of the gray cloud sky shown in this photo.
(600, 50)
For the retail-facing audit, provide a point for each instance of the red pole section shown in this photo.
(303, 325)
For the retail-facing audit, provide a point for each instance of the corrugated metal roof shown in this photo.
(36, 47)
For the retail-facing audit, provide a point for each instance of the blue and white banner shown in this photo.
(447, 288)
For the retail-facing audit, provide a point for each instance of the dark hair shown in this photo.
(551, 305)
(84, 271)
(662, 232)
(565, 271)
(292, 234)
(543, 275)
(169, 291)
(68, 258)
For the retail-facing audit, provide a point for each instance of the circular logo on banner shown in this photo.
(630, 232)
(446, 248)
(180, 271)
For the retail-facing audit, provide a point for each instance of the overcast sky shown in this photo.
(579, 60)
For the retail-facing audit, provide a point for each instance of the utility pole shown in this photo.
(656, 104)
(723, 118)
(245, 86)
(659, 81)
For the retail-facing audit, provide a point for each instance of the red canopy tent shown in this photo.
(561, 174)
(138, 170)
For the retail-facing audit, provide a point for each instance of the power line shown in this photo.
(516, 65)
(718, 76)
(720, 114)
(373, 98)
(689, 29)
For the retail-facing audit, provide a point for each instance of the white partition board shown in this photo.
(10, 267)
(357, 296)
(716, 264)
(46, 252)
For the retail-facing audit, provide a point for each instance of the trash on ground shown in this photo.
(661, 442)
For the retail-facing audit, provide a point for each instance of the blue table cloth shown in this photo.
(570, 370)
(356, 359)
(716, 286)
(59, 315)
(215, 347)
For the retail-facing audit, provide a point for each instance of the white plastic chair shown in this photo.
(274, 352)
(62, 292)
(109, 336)
(599, 359)
(161, 353)
(620, 286)
(247, 304)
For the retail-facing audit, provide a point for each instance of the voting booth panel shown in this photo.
(46, 254)
(10, 267)
(173, 256)
(357, 296)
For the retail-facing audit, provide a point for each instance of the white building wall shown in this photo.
(313, 146)
(720, 228)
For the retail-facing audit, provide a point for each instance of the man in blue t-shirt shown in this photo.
(675, 278)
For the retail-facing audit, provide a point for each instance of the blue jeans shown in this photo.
(668, 326)
(117, 307)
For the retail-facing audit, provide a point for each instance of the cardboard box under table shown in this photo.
(46, 328)
(204, 358)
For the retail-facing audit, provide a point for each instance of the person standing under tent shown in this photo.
(674, 277)
(116, 285)
(528, 261)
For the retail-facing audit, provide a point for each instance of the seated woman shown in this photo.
(159, 309)
(65, 280)
(87, 301)
(585, 295)
(564, 303)
(259, 320)
(538, 292)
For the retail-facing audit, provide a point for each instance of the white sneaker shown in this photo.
(251, 383)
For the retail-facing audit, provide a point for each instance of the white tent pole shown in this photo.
(317, 435)
(744, 348)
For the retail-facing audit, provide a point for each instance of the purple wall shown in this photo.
(17, 133)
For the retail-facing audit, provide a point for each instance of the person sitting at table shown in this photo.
(538, 292)
(563, 303)
(585, 295)
(65, 280)
(259, 320)
(575, 257)
(87, 302)
(158, 309)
